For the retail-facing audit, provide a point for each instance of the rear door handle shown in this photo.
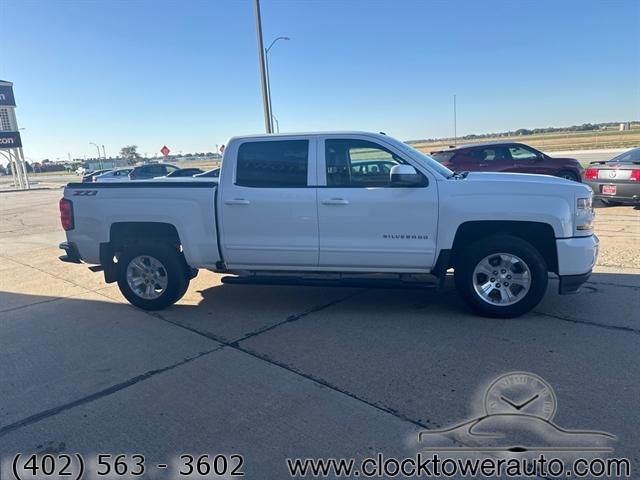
(335, 201)
(237, 201)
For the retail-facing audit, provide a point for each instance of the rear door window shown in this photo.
(489, 155)
(153, 170)
(273, 164)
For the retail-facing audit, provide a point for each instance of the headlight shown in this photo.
(585, 203)
(584, 214)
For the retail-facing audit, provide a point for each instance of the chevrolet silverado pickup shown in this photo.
(344, 208)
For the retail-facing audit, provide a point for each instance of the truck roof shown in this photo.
(309, 134)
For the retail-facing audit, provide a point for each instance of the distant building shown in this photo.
(625, 126)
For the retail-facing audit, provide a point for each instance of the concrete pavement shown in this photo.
(272, 372)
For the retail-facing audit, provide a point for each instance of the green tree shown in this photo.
(130, 153)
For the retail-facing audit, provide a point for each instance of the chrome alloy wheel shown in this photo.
(501, 279)
(147, 277)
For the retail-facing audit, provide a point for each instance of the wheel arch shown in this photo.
(122, 234)
(540, 235)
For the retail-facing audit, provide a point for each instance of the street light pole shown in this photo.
(263, 75)
(455, 123)
(266, 63)
(104, 155)
(97, 148)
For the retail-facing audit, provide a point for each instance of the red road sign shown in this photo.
(165, 151)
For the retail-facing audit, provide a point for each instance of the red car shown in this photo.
(507, 157)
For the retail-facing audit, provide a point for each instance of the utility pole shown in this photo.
(455, 123)
(268, 125)
(268, 75)
(98, 149)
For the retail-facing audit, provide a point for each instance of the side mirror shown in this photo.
(405, 175)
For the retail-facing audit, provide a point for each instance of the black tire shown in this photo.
(569, 175)
(610, 203)
(473, 254)
(173, 265)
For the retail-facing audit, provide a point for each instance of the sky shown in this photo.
(185, 73)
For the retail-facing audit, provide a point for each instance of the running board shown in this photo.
(321, 282)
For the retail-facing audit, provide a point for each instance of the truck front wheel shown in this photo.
(501, 276)
(152, 276)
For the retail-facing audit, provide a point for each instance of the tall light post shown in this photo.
(455, 122)
(104, 155)
(268, 124)
(266, 63)
(98, 149)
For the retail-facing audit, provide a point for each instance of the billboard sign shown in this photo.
(10, 140)
(6, 96)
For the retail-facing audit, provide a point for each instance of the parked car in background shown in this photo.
(507, 157)
(151, 170)
(185, 172)
(616, 181)
(213, 173)
(88, 177)
(118, 175)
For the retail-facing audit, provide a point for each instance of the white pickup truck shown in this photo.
(344, 208)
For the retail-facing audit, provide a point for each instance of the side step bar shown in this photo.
(321, 282)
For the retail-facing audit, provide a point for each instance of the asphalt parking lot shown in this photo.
(275, 372)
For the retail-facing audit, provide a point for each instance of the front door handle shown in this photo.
(237, 201)
(335, 201)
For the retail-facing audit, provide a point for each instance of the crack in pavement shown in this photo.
(98, 395)
(297, 316)
(590, 323)
(233, 343)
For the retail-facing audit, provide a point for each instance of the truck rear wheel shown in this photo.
(501, 276)
(152, 276)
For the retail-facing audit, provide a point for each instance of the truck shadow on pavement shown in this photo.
(235, 313)
(232, 313)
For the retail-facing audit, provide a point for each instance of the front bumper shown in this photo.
(576, 258)
(627, 192)
(572, 283)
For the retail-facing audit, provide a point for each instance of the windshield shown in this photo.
(632, 156)
(425, 159)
